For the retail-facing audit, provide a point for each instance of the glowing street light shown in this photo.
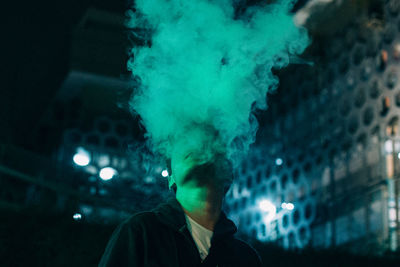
(268, 208)
(82, 157)
(164, 173)
(287, 206)
(107, 173)
(77, 216)
(279, 161)
(265, 205)
(392, 214)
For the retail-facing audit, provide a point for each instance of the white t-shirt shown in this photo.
(201, 236)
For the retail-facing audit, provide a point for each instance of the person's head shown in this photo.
(189, 171)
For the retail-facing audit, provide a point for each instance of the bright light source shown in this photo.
(77, 216)
(392, 214)
(398, 155)
(269, 208)
(279, 161)
(389, 146)
(265, 205)
(107, 173)
(164, 173)
(289, 206)
(82, 157)
(81, 160)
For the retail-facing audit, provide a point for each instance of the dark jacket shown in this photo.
(161, 238)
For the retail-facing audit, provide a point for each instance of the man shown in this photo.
(189, 230)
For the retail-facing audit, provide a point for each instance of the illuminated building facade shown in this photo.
(331, 146)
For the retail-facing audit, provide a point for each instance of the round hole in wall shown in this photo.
(368, 116)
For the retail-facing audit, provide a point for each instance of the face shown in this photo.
(189, 171)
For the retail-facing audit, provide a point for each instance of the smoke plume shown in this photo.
(205, 70)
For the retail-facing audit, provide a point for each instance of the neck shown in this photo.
(202, 204)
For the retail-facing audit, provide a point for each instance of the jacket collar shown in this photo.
(172, 214)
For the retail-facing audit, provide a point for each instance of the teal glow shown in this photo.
(77, 216)
(289, 206)
(107, 173)
(268, 209)
(82, 157)
(206, 72)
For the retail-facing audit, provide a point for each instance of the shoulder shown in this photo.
(127, 243)
(130, 240)
(243, 246)
(133, 224)
(246, 251)
(140, 218)
(139, 222)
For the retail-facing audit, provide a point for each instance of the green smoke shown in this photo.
(206, 71)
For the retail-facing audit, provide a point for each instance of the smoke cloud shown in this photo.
(206, 71)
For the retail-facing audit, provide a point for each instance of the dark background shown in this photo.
(42, 44)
